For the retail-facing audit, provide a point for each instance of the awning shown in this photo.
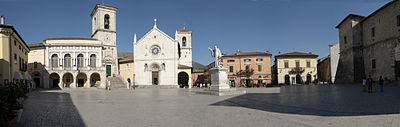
(17, 75)
(27, 77)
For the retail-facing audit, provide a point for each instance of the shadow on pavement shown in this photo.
(45, 108)
(322, 100)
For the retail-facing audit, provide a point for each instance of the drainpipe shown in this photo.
(10, 52)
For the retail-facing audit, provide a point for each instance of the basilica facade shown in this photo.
(70, 62)
(162, 61)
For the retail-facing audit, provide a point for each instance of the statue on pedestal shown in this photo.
(216, 53)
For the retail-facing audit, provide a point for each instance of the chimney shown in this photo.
(2, 19)
(310, 52)
(279, 52)
(267, 51)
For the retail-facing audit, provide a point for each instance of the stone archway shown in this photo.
(183, 79)
(81, 79)
(309, 78)
(155, 74)
(299, 80)
(54, 80)
(37, 79)
(287, 79)
(95, 80)
(67, 80)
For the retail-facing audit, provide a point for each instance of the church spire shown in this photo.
(155, 23)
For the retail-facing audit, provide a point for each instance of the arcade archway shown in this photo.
(183, 79)
(54, 80)
(67, 80)
(81, 79)
(94, 79)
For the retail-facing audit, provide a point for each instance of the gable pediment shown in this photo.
(155, 32)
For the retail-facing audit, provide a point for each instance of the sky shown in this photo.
(245, 25)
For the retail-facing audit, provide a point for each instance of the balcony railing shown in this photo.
(87, 68)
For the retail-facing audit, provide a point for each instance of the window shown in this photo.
(286, 64)
(67, 60)
(184, 41)
(15, 42)
(93, 60)
(259, 68)
(231, 61)
(308, 64)
(80, 60)
(297, 64)
(345, 40)
(373, 63)
(259, 59)
(19, 63)
(373, 31)
(106, 21)
(398, 20)
(19, 47)
(15, 58)
(247, 66)
(35, 65)
(54, 60)
(127, 66)
(247, 60)
(230, 68)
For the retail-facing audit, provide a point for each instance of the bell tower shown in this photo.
(104, 29)
(184, 37)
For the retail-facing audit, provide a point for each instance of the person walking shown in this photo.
(108, 85)
(129, 84)
(381, 84)
(369, 83)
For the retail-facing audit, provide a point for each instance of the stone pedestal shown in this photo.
(219, 79)
(219, 84)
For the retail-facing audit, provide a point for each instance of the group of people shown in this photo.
(369, 83)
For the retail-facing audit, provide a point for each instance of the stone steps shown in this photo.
(116, 82)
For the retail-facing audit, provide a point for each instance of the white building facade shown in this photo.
(334, 51)
(162, 61)
(72, 62)
(296, 68)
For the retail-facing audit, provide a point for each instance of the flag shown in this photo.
(77, 67)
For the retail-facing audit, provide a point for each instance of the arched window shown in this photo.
(67, 60)
(106, 21)
(80, 60)
(93, 60)
(54, 60)
(184, 41)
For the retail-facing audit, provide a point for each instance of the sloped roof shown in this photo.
(184, 30)
(349, 16)
(36, 45)
(12, 27)
(70, 38)
(365, 18)
(156, 29)
(247, 54)
(180, 66)
(297, 54)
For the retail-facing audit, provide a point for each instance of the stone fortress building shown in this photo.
(72, 62)
(162, 61)
(370, 45)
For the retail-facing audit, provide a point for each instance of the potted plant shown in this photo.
(11, 104)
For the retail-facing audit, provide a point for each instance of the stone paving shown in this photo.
(288, 106)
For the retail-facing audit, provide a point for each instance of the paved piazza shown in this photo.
(297, 106)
